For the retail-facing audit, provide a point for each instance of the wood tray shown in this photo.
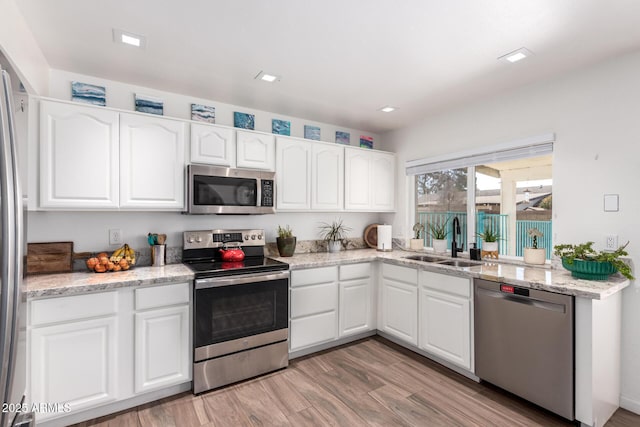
(53, 257)
(371, 236)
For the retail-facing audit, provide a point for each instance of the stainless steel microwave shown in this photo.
(217, 190)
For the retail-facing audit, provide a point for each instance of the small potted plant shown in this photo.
(584, 262)
(533, 254)
(286, 241)
(489, 239)
(439, 234)
(334, 234)
(417, 242)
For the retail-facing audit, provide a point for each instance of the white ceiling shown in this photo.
(340, 60)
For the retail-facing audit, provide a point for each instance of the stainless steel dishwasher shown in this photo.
(524, 343)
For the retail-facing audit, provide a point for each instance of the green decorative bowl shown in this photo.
(589, 270)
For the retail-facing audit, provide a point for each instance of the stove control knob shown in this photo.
(246, 237)
(259, 236)
(199, 239)
(190, 239)
(253, 237)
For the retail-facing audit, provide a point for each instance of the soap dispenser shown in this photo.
(474, 253)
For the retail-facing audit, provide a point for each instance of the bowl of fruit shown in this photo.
(122, 259)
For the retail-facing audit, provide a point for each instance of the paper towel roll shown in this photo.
(384, 238)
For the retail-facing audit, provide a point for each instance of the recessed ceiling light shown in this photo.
(270, 78)
(387, 109)
(131, 39)
(516, 55)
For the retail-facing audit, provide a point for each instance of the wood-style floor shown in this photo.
(367, 383)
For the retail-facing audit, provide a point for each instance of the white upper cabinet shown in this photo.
(213, 145)
(293, 166)
(369, 180)
(327, 177)
(78, 157)
(152, 151)
(383, 181)
(255, 150)
(310, 175)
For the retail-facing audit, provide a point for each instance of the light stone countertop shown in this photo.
(49, 285)
(546, 279)
(542, 278)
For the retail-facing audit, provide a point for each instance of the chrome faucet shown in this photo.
(454, 245)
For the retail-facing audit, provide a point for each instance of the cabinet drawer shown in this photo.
(74, 307)
(399, 273)
(313, 330)
(355, 271)
(161, 296)
(313, 275)
(445, 283)
(314, 299)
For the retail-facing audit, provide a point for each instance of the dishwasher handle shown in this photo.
(521, 299)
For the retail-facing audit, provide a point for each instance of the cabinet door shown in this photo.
(445, 328)
(213, 145)
(400, 310)
(327, 177)
(255, 150)
(74, 362)
(78, 157)
(162, 351)
(383, 182)
(355, 306)
(151, 162)
(357, 177)
(293, 163)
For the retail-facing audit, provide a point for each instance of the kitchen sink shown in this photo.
(460, 263)
(425, 258)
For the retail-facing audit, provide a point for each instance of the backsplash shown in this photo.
(313, 246)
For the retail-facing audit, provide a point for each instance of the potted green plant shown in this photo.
(490, 239)
(417, 242)
(534, 254)
(439, 234)
(334, 234)
(286, 241)
(584, 262)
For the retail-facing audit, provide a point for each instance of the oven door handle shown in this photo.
(216, 282)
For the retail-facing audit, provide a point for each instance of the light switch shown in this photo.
(611, 203)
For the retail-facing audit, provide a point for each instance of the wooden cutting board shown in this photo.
(53, 257)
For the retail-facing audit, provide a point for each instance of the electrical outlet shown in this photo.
(611, 243)
(115, 236)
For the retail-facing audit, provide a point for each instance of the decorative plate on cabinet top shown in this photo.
(371, 235)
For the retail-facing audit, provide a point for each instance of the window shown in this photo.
(509, 195)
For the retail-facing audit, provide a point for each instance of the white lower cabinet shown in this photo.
(75, 363)
(162, 347)
(399, 302)
(73, 351)
(314, 306)
(356, 299)
(445, 317)
(84, 349)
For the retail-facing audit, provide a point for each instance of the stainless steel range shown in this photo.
(240, 321)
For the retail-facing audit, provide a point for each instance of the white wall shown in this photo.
(595, 114)
(89, 230)
(20, 48)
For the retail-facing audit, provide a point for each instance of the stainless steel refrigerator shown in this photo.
(14, 411)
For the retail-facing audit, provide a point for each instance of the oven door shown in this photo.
(237, 313)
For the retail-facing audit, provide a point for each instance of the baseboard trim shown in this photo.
(428, 355)
(330, 344)
(630, 404)
(112, 408)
